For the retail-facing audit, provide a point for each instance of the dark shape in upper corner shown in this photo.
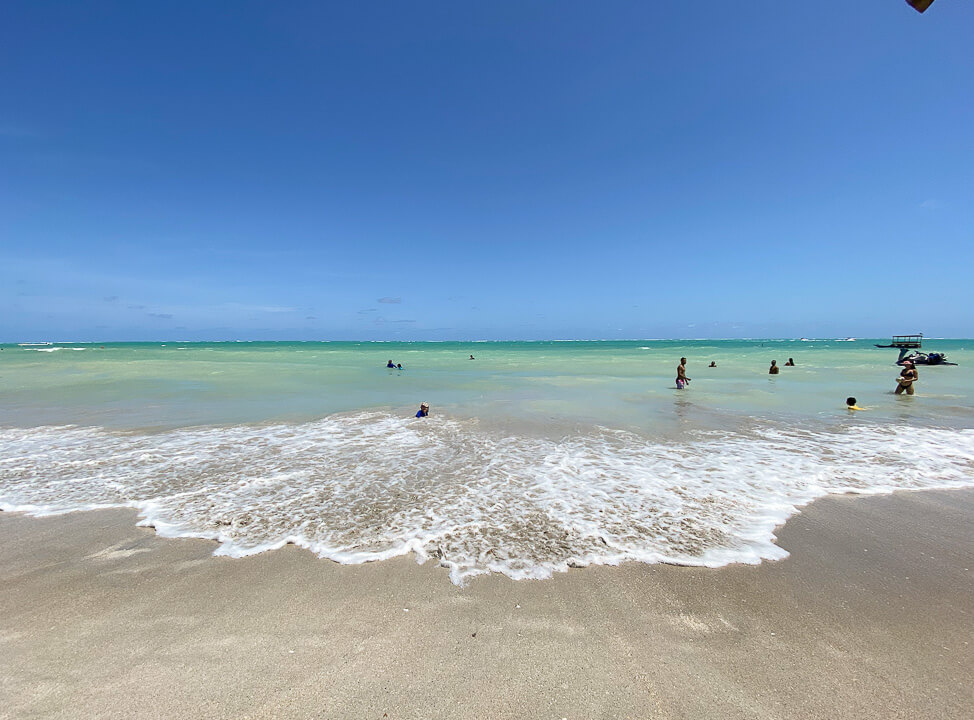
(920, 5)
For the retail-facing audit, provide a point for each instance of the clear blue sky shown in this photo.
(461, 170)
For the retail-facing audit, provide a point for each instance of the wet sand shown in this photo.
(872, 616)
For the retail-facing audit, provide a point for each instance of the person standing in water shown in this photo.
(774, 369)
(908, 376)
(681, 374)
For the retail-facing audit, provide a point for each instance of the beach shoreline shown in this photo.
(869, 616)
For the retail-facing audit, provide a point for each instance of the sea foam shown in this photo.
(367, 486)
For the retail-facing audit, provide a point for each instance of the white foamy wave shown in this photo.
(369, 486)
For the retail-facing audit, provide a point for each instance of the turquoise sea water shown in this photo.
(536, 456)
(619, 384)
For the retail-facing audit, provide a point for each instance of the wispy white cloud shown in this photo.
(390, 300)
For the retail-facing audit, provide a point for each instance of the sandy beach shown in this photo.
(870, 617)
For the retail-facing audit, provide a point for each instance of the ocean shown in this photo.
(536, 457)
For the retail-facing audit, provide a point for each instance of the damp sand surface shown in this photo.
(870, 616)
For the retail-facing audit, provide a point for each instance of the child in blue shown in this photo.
(424, 410)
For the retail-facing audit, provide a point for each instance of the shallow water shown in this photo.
(537, 456)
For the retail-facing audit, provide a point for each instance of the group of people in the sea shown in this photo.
(681, 370)
(908, 376)
(424, 408)
(774, 369)
(904, 383)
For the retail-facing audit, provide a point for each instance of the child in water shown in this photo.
(424, 410)
(850, 403)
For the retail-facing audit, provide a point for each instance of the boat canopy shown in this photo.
(905, 341)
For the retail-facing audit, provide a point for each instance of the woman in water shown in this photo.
(908, 376)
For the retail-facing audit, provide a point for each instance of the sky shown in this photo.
(505, 170)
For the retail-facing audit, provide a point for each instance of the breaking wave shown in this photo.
(367, 486)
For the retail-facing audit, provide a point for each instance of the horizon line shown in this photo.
(21, 343)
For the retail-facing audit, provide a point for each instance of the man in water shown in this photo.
(713, 363)
(908, 376)
(681, 374)
(790, 363)
(774, 369)
(424, 410)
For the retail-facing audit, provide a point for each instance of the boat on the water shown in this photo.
(919, 358)
(909, 346)
(904, 341)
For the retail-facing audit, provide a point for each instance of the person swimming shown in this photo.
(712, 364)
(390, 364)
(424, 410)
(850, 403)
(472, 357)
(790, 363)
